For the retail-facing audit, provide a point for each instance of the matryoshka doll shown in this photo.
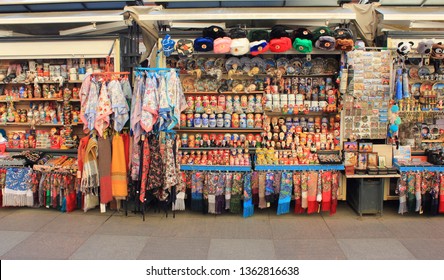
(250, 120)
(237, 104)
(212, 121)
(75, 93)
(205, 120)
(183, 120)
(221, 103)
(191, 141)
(213, 103)
(37, 91)
(219, 140)
(242, 120)
(197, 120)
(235, 120)
(258, 106)
(227, 140)
(227, 120)
(206, 140)
(244, 103)
(184, 140)
(206, 104)
(213, 138)
(198, 140)
(258, 121)
(198, 106)
(257, 141)
(220, 120)
(251, 104)
(229, 104)
(249, 142)
(190, 103)
(190, 120)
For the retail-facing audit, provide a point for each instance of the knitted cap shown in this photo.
(302, 33)
(239, 46)
(321, 31)
(185, 48)
(213, 32)
(202, 44)
(168, 45)
(280, 45)
(258, 47)
(303, 45)
(222, 45)
(278, 31)
(258, 35)
(327, 43)
(236, 33)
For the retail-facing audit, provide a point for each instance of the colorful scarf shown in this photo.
(18, 188)
(197, 185)
(312, 190)
(411, 197)
(136, 108)
(297, 193)
(334, 191)
(441, 193)
(103, 110)
(83, 94)
(255, 187)
(119, 106)
(434, 194)
(104, 164)
(402, 190)
(228, 186)
(213, 180)
(327, 178)
(418, 183)
(220, 197)
(304, 189)
(118, 169)
(90, 175)
(176, 97)
(319, 191)
(91, 105)
(156, 170)
(269, 189)
(126, 88)
(248, 196)
(236, 193)
(179, 203)
(285, 193)
(262, 201)
(145, 168)
(150, 103)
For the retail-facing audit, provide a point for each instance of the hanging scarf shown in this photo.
(269, 189)
(319, 191)
(150, 103)
(176, 98)
(297, 193)
(312, 190)
(18, 188)
(179, 203)
(236, 193)
(81, 154)
(255, 187)
(170, 165)
(126, 146)
(277, 184)
(197, 185)
(83, 94)
(327, 178)
(104, 164)
(285, 193)
(220, 197)
(425, 189)
(136, 108)
(402, 190)
(126, 88)
(118, 168)
(411, 197)
(434, 194)
(119, 105)
(228, 186)
(90, 177)
(262, 201)
(145, 167)
(213, 180)
(248, 196)
(164, 107)
(441, 192)
(418, 183)
(156, 169)
(104, 110)
(334, 191)
(304, 189)
(91, 105)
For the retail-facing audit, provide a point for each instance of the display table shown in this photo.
(365, 193)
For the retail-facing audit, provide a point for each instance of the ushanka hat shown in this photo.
(321, 31)
(303, 45)
(302, 33)
(258, 35)
(327, 43)
(278, 31)
(236, 33)
(168, 45)
(345, 45)
(259, 47)
(222, 45)
(282, 44)
(185, 48)
(239, 46)
(213, 32)
(343, 33)
(203, 44)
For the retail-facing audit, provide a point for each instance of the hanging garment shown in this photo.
(312, 190)
(90, 176)
(327, 178)
(136, 108)
(411, 197)
(220, 196)
(402, 190)
(83, 94)
(171, 175)
(176, 98)
(104, 110)
(255, 187)
(425, 188)
(297, 193)
(197, 185)
(304, 189)
(126, 88)
(262, 182)
(319, 192)
(285, 193)
(118, 169)
(146, 158)
(236, 193)
(248, 196)
(164, 107)
(156, 170)
(418, 183)
(334, 191)
(119, 105)
(269, 189)
(150, 103)
(126, 145)
(81, 154)
(211, 186)
(277, 184)
(91, 105)
(179, 204)
(104, 165)
(18, 189)
(434, 194)
(228, 187)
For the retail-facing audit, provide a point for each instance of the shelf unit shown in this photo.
(189, 167)
(213, 148)
(311, 113)
(222, 92)
(306, 167)
(36, 125)
(55, 151)
(218, 129)
(43, 83)
(37, 100)
(434, 168)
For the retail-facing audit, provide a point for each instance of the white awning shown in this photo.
(61, 17)
(411, 13)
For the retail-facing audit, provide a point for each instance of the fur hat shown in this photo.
(213, 31)
(425, 47)
(437, 51)
(343, 33)
(278, 31)
(282, 44)
(185, 47)
(327, 43)
(303, 45)
(404, 48)
(168, 45)
(258, 35)
(258, 47)
(321, 31)
(302, 33)
(222, 45)
(345, 45)
(239, 46)
(236, 33)
(203, 44)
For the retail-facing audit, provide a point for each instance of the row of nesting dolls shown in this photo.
(233, 157)
(224, 104)
(221, 120)
(302, 124)
(220, 140)
(270, 156)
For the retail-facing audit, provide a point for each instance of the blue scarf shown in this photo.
(248, 196)
(285, 193)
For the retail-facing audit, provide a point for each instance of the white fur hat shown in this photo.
(239, 46)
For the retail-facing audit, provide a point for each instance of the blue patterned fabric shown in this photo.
(18, 179)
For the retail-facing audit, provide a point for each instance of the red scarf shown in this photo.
(326, 190)
(297, 193)
(441, 193)
(312, 190)
(334, 192)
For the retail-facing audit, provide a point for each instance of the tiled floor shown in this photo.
(49, 234)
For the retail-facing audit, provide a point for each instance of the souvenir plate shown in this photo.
(270, 63)
(182, 64)
(188, 84)
(423, 71)
(233, 62)
(201, 63)
(259, 62)
(306, 67)
(415, 89)
(295, 66)
(246, 63)
(331, 66)
(191, 64)
(413, 72)
(425, 88)
(210, 63)
(220, 63)
(318, 66)
(212, 84)
(438, 90)
(282, 62)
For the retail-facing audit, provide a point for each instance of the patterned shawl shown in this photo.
(312, 190)
(297, 193)
(418, 183)
(103, 110)
(236, 193)
(285, 193)
(262, 201)
(220, 196)
(119, 106)
(91, 105)
(150, 104)
(90, 176)
(402, 190)
(334, 191)
(228, 186)
(248, 196)
(197, 185)
(18, 187)
(326, 190)
(411, 197)
(83, 93)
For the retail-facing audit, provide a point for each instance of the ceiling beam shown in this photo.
(61, 17)
(32, 2)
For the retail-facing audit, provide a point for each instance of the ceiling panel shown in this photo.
(252, 4)
(13, 9)
(56, 7)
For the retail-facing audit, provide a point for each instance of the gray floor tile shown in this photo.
(374, 249)
(110, 247)
(67, 223)
(9, 239)
(241, 249)
(133, 226)
(165, 248)
(301, 227)
(6, 211)
(425, 249)
(405, 227)
(366, 227)
(314, 249)
(28, 219)
(45, 245)
(250, 228)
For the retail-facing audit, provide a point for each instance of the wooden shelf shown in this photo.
(213, 148)
(222, 92)
(428, 112)
(37, 125)
(311, 113)
(61, 151)
(38, 99)
(218, 129)
(41, 83)
(372, 176)
(310, 75)
(432, 141)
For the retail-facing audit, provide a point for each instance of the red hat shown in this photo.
(282, 44)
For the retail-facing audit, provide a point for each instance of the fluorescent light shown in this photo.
(427, 24)
(181, 24)
(78, 30)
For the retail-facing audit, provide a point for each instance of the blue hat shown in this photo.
(203, 44)
(168, 45)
